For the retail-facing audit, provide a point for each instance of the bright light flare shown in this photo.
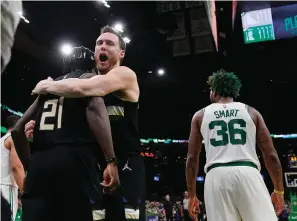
(127, 40)
(66, 49)
(23, 17)
(118, 27)
(161, 72)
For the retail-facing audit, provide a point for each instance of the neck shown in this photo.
(8, 131)
(102, 72)
(225, 100)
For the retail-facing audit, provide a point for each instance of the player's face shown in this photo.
(108, 52)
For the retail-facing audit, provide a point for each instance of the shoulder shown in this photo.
(125, 72)
(8, 142)
(254, 114)
(198, 116)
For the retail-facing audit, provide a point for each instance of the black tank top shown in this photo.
(123, 116)
(62, 121)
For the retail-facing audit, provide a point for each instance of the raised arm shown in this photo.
(119, 78)
(19, 138)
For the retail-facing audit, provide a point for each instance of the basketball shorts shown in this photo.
(9, 202)
(237, 193)
(127, 203)
(60, 184)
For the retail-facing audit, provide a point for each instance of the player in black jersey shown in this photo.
(63, 174)
(119, 86)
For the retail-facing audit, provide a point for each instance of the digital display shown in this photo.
(269, 23)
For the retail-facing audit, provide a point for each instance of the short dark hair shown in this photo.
(80, 58)
(224, 84)
(11, 121)
(108, 29)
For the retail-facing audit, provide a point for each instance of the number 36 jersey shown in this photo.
(229, 134)
(62, 121)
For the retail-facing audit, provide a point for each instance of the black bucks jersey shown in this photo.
(62, 121)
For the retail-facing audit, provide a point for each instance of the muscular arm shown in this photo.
(99, 123)
(117, 79)
(194, 149)
(19, 138)
(270, 156)
(98, 120)
(16, 165)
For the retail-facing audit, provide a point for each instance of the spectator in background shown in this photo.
(168, 206)
(185, 206)
(10, 19)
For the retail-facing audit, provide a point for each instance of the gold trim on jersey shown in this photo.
(115, 111)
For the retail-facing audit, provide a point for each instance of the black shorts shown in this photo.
(128, 202)
(60, 184)
(5, 210)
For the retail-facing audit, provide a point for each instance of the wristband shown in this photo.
(111, 160)
(278, 192)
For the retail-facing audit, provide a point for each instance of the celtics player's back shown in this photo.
(229, 134)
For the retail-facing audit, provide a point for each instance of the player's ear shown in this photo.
(122, 54)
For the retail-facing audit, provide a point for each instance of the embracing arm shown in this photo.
(18, 136)
(194, 148)
(116, 79)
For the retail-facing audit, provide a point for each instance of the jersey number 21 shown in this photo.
(52, 113)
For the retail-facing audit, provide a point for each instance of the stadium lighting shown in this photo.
(118, 27)
(105, 3)
(23, 17)
(127, 40)
(161, 72)
(66, 49)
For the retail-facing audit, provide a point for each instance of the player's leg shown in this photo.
(219, 191)
(75, 183)
(35, 205)
(128, 203)
(254, 203)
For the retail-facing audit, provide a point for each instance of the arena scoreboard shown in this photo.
(268, 24)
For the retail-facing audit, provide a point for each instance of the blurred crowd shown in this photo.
(169, 210)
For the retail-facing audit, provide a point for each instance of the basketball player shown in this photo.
(12, 173)
(234, 188)
(119, 86)
(63, 175)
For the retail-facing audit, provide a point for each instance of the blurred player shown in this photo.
(63, 174)
(10, 18)
(12, 173)
(234, 188)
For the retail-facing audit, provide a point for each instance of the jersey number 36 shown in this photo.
(227, 132)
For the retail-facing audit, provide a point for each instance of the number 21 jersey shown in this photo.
(62, 121)
(229, 134)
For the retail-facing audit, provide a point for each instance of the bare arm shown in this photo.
(99, 123)
(119, 78)
(270, 156)
(194, 149)
(18, 136)
(16, 165)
